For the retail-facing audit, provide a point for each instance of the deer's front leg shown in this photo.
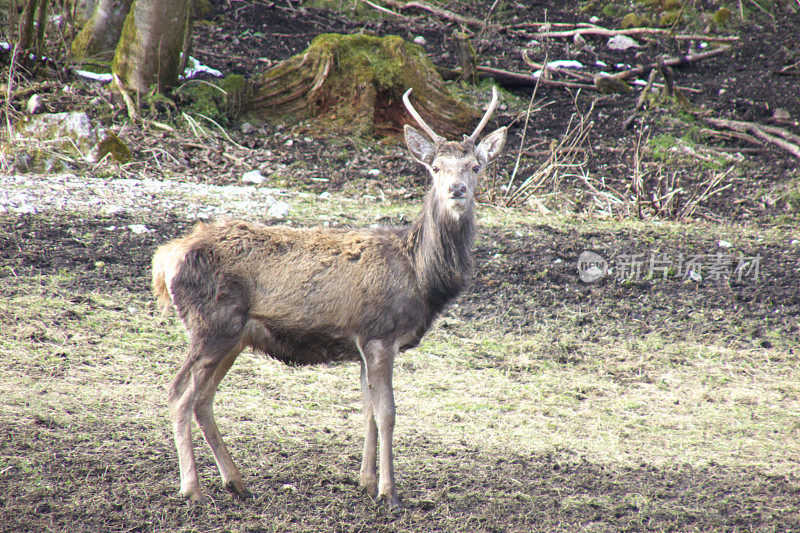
(368, 478)
(379, 359)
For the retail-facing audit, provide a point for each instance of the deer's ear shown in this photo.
(491, 146)
(422, 149)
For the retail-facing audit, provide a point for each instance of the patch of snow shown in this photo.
(194, 67)
(105, 78)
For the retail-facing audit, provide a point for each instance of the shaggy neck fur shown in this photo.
(440, 244)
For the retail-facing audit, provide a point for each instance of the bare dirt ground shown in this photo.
(539, 403)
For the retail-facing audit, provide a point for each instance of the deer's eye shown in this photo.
(476, 169)
(436, 169)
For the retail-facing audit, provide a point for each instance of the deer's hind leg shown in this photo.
(191, 394)
(204, 414)
(215, 323)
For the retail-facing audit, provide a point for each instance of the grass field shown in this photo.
(546, 427)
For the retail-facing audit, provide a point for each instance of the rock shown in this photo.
(374, 172)
(781, 114)
(724, 244)
(25, 209)
(114, 209)
(247, 128)
(72, 133)
(34, 104)
(139, 229)
(278, 210)
(420, 40)
(622, 42)
(254, 176)
(270, 200)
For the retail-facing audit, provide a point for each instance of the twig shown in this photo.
(236, 160)
(771, 134)
(641, 100)
(732, 135)
(225, 133)
(526, 80)
(487, 19)
(561, 156)
(524, 132)
(11, 70)
(672, 62)
(438, 11)
(760, 8)
(565, 71)
(133, 113)
(711, 189)
(161, 126)
(384, 10)
(36, 87)
(597, 30)
(193, 124)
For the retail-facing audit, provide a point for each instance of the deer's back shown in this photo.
(304, 295)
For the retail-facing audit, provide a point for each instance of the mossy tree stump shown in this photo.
(355, 83)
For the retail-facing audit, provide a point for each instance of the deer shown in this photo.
(319, 295)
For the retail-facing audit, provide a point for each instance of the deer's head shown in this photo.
(454, 166)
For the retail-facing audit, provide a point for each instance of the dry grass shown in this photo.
(87, 360)
(490, 425)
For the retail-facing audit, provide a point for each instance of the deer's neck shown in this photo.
(440, 246)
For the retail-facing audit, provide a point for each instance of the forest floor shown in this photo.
(652, 399)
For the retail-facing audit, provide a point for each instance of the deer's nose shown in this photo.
(458, 189)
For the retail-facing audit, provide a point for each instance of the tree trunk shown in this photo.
(152, 39)
(98, 38)
(26, 24)
(355, 83)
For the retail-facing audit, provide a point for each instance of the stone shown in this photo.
(781, 114)
(34, 104)
(254, 177)
(278, 210)
(622, 42)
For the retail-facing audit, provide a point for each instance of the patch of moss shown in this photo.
(202, 9)
(611, 11)
(722, 16)
(113, 145)
(218, 101)
(669, 18)
(632, 20)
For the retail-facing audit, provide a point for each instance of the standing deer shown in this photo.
(306, 296)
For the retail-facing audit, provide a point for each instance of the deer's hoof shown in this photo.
(393, 503)
(238, 489)
(369, 485)
(197, 496)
